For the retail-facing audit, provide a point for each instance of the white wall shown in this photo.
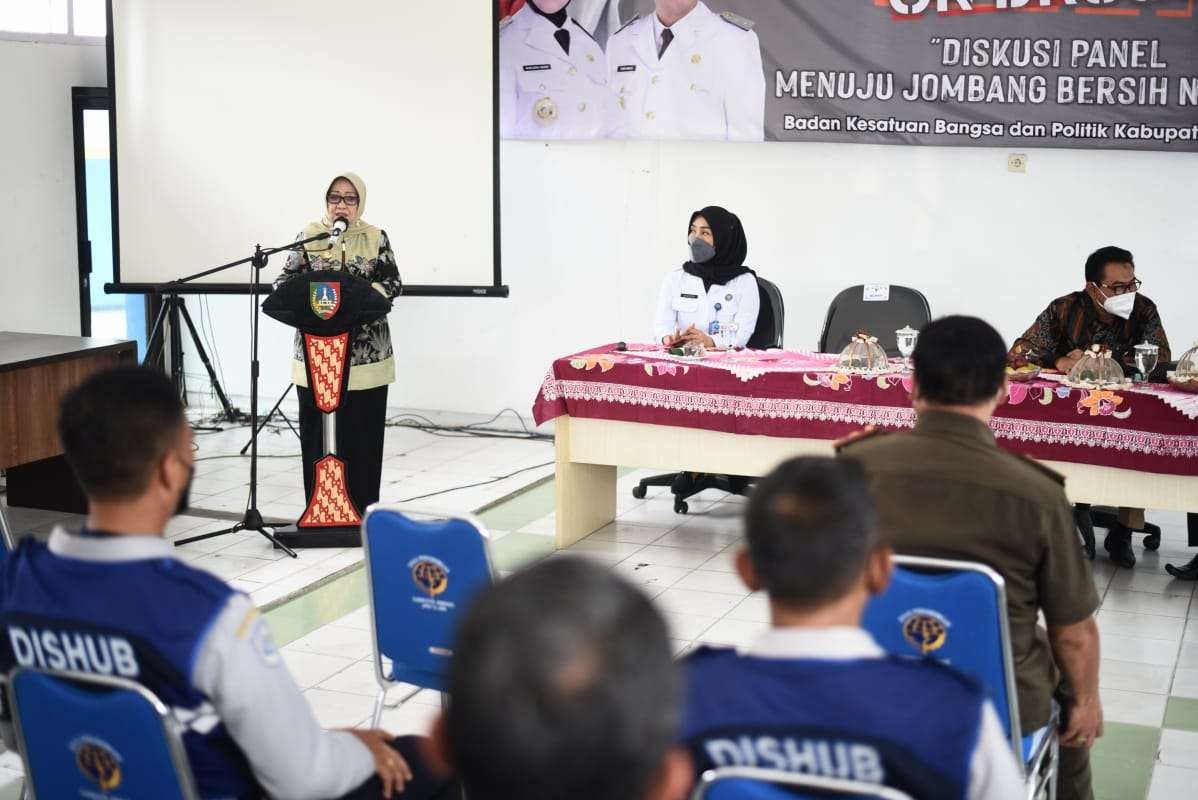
(39, 271)
(590, 229)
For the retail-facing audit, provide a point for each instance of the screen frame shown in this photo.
(496, 289)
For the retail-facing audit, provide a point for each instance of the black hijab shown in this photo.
(730, 248)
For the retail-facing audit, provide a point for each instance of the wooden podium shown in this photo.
(326, 307)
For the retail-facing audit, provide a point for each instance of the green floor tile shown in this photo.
(300, 616)
(522, 509)
(1122, 761)
(517, 550)
(1182, 714)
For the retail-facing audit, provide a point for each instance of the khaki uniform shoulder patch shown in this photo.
(1056, 477)
(861, 436)
(744, 23)
(626, 24)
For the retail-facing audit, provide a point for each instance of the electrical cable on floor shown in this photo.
(473, 485)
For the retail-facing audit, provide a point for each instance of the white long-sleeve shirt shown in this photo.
(683, 302)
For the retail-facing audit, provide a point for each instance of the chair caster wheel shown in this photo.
(638, 492)
(680, 507)
(1152, 541)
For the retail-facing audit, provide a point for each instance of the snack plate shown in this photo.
(1023, 377)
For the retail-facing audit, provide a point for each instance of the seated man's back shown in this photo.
(126, 608)
(815, 694)
(847, 711)
(114, 600)
(947, 490)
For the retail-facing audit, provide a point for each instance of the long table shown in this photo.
(742, 413)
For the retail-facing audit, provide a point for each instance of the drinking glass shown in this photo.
(1146, 357)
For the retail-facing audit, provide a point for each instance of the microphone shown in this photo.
(339, 227)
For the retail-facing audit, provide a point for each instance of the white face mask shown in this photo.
(1120, 304)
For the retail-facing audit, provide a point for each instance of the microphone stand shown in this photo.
(252, 520)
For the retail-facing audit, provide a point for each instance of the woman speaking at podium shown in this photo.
(365, 252)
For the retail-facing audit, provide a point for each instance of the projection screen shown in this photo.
(230, 117)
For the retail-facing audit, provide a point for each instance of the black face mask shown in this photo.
(185, 498)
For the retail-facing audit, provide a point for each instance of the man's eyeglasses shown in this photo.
(333, 199)
(1122, 288)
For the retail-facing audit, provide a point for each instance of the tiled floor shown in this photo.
(1149, 677)
(1149, 623)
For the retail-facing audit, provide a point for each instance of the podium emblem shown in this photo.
(324, 298)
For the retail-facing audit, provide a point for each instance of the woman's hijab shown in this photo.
(361, 238)
(731, 248)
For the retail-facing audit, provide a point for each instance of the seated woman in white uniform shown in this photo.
(711, 290)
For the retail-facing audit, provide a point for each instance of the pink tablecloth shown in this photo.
(795, 394)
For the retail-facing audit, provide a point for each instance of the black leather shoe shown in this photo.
(1187, 573)
(1118, 546)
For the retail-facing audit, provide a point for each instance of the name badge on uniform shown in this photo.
(537, 67)
(623, 68)
(690, 297)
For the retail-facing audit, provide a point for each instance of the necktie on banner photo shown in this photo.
(563, 38)
(667, 36)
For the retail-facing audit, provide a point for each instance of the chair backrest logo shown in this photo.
(430, 574)
(924, 629)
(99, 762)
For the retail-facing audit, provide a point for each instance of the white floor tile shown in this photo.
(410, 719)
(1179, 749)
(1134, 708)
(1133, 677)
(1191, 631)
(1145, 625)
(689, 601)
(698, 538)
(733, 632)
(1188, 657)
(604, 551)
(1146, 603)
(705, 580)
(227, 567)
(1185, 683)
(358, 678)
(359, 619)
(628, 532)
(333, 640)
(1153, 582)
(1172, 783)
(338, 709)
(672, 556)
(722, 562)
(546, 526)
(1161, 652)
(687, 626)
(651, 576)
(311, 669)
(754, 608)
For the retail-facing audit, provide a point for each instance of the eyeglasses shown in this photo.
(333, 199)
(1122, 288)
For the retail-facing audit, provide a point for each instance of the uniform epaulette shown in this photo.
(580, 27)
(1057, 477)
(626, 24)
(503, 23)
(744, 23)
(862, 436)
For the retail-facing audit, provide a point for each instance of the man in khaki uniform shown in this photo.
(947, 490)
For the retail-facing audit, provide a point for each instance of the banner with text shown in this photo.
(1004, 73)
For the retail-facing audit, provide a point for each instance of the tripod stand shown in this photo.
(269, 414)
(172, 309)
(252, 520)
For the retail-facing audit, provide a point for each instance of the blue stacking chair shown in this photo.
(94, 736)
(751, 783)
(422, 569)
(956, 612)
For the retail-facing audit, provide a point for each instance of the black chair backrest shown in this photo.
(851, 312)
(771, 319)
